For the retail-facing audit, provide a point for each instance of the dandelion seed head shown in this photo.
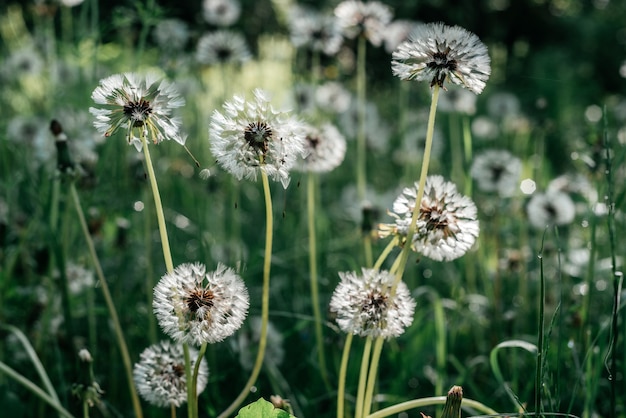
(248, 136)
(195, 307)
(497, 171)
(365, 305)
(550, 208)
(436, 52)
(369, 19)
(160, 374)
(138, 104)
(325, 149)
(447, 225)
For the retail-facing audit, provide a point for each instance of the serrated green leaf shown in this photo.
(262, 409)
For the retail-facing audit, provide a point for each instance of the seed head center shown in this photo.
(138, 112)
(258, 135)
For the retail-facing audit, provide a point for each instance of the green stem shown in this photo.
(32, 355)
(188, 372)
(400, 263)
(165, 243)
(383, 256)
(167, 255)
(435, 400)
(404, 255)
(371, 379)
(540, 332)
(618, 277)
(194, 380)
(117, 328)
(269, 225)
(34, 389)
(361, 139)
(319, 337)
(365, 361)
(341, 387)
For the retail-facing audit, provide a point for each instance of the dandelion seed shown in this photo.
(436, 52)
(160, 374)
(325, 149)
(221, 12)
(171, 34)
(365, 305)
(369, 19)
(497, 171)
(196, 307)
(252, 136)
(137, 103)
(397, 32)
(550, 208)
(447, 225)
(314, 30)
(222, 47)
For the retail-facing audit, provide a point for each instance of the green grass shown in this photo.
(476, 321)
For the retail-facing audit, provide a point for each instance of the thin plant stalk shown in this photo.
(117, 328)
(618, 277)
(371, 378)
(343, 368)
(383, 256)
(167, 256)
(434, 400)
(36, 390)
(319, 337)
(361, 155)
(149, 283)
(194, 379)
(400, 263)
(365, 361)
(361, 140)
(540, 332)
(265, 300)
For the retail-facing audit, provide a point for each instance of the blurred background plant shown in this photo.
(555, 103)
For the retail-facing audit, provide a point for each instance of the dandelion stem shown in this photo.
(265, 300)
(319, 337)
(194, 379)
(165, 243)
(360, 144)
(404, 255)
(341, 387)
(365, 361)
(167, 255)
(400, 262)
(117, 328)
(371, 379)
(383, 256)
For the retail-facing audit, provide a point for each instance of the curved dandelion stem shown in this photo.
(434, 400)
(194, 379)
(265, 300)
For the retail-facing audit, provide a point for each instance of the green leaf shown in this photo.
(262, 409)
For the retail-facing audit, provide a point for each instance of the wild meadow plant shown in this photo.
(437, 224)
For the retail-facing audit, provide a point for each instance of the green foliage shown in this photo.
(263, 409)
